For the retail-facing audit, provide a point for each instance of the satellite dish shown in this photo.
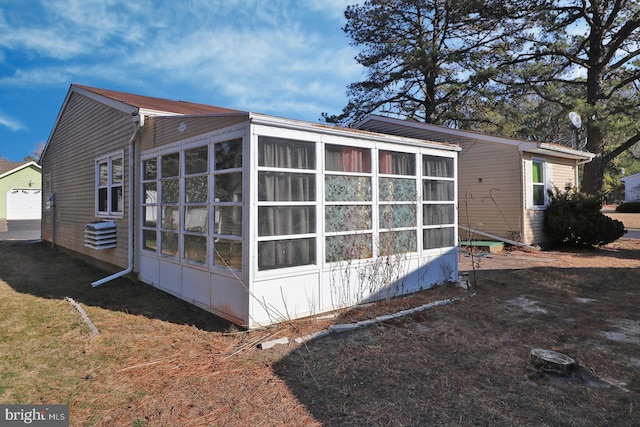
(576, 121)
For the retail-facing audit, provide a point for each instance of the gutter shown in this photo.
(139, 120)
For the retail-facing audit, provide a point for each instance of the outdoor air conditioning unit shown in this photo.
(100, 235)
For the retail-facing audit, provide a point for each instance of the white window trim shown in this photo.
(47, 192)
(109, 158)
(546, 170)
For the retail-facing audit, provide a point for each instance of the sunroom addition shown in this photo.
(272, 219)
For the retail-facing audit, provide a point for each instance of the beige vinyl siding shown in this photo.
(85, 131)
(490, 195)
(163, 130)
(563, 172)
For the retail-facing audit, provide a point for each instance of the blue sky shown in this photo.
(287, 58)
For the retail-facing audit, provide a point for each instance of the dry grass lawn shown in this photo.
(158, 361)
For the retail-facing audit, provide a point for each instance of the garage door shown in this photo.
(24, 204)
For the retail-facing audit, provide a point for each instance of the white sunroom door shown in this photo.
(24, 204)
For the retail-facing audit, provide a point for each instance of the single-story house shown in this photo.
(631, 188)
(20, 190)
(503, 183)
(252, 217)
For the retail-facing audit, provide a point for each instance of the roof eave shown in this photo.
(14, 170)
(263, 119)
(546, 149)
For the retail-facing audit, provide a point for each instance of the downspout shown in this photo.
(139, 119)
(523, 191)
(578, 164)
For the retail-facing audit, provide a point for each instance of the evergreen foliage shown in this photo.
(575, 219)
(628, 207)
(514, 68)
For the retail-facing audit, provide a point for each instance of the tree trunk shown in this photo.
(593, 174)
(594, 171)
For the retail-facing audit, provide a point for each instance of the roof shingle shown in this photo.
(159, 104)
(6, 165)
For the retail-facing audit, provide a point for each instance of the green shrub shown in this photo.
(630, 207)
(574, 219)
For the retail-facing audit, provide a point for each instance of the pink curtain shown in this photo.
(355, 160)
(386, 162)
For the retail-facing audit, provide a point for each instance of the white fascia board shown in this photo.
(126, 108)
(261, 119)
(14, 170)
(546, 149)
(157, 113)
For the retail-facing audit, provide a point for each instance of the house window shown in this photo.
(110, 185)
(538, 182)
(227, 204)
(286, 203)
(348, 203)
(47, 192)
(438, 202)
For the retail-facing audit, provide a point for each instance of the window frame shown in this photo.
(310, 171)
(360, 237)
(150, 206)
(48, 202)
(109, 186)
(442, 227)
(181, 204)
(216, 206)
(188, 205)
(532, 185)
(389, 206)
(546, 184)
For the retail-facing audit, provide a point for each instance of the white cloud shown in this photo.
(281, 55)
(334, 8)
(12, 124)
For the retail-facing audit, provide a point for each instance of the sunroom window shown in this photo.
(150, 204)
(438, 197)
(185, 194)
(195, 209)
(286, 203)
(348, 207)
(397, 198)
(227, 204)
(170, 204)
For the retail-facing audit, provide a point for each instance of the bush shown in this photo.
(574, 219)
(631, 207)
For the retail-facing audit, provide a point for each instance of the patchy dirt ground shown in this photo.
(159, 361)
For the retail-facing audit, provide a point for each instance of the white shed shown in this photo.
(631, 188)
